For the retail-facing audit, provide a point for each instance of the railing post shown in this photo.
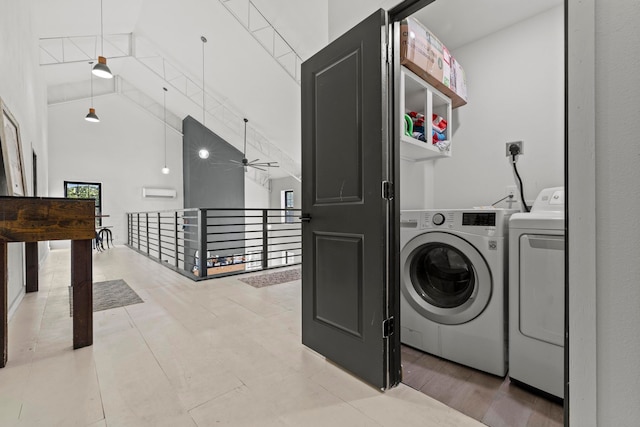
(175, 237)
(146, 215)
(265, 239)
(138, 231)
(202, 242)
(159, 239)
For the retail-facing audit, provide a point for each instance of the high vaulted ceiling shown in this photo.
(156, 43)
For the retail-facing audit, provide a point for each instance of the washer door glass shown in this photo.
(442, 275)
(445, 277)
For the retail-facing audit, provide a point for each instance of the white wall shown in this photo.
(515, 79)
(617, 125)
(283, 184)
(124, 152)
(255, 196)
(417, 184)
(23, 91)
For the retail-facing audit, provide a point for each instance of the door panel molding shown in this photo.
(338, 281)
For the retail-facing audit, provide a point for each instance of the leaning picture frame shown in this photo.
(12, 159)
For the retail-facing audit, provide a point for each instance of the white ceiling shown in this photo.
(238, 70)
(459, 22)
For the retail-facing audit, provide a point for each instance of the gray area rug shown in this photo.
(110, 294)
(268, 279)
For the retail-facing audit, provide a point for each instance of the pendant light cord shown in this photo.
(101, 31)
(204, 40)
(164, 104)
(91, 80)
(91, 74)
(244, 152)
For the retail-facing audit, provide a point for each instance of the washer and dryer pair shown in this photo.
(453, 297)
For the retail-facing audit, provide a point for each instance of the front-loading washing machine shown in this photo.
(536, 294)
(453, 278)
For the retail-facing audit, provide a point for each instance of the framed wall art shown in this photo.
(12, 179)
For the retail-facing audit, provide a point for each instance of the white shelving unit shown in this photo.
(418, 95)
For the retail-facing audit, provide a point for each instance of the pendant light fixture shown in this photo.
(203, 153)
(101, 69)
(165, 169)
(91, 117)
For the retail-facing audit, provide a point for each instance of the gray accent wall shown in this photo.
(217, 183)
(214, 182)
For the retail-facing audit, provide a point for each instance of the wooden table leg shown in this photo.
(82, 286)
(4, 304)
(31, 261)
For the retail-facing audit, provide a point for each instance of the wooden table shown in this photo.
(35, 219)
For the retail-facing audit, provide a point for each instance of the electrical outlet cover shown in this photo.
(518, 143)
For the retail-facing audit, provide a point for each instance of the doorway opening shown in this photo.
(506, 87)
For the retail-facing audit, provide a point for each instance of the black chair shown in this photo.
(104, 235)
(97, 242)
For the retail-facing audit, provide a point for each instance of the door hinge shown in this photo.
(387, 190)
(386, 53)
(388, 327)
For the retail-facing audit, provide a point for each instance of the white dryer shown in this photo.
(453, 278)
(536, 294)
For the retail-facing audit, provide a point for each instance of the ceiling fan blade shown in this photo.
(257, 167)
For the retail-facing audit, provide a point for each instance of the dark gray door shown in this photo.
(349, 283)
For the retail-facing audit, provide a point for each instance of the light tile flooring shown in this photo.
(218, 352)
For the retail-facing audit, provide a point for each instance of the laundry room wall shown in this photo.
(417, 184)
(515, 79)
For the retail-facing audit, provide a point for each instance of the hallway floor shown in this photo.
(218, 352)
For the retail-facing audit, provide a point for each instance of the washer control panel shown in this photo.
(427, 219)
(438, 219)
(486, 222)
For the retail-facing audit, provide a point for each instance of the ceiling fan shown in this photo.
(256, 164)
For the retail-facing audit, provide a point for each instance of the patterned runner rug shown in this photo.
(275, 278)
(110, 294)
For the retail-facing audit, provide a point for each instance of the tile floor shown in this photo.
(218, 352)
